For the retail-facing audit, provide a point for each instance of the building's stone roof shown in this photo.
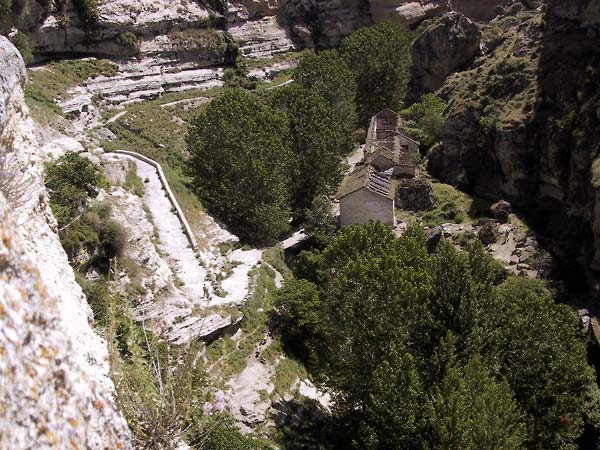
(368, 178)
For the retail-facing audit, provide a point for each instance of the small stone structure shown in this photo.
(366, 195)
(369, 193)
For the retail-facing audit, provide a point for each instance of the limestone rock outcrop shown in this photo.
(407, 12)
(523, 125)
(55, 391)
(479, 10)
(445, 47)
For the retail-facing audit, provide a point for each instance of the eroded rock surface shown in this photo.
(54, 386)
(448, 45)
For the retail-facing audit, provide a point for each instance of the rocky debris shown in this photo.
(54, 386)
(501, 211)
(244, 393)
(414, 194)
(443, 48)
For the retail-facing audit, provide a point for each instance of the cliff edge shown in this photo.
(54, 386)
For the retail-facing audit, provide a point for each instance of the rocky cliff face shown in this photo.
(445, 47)
(54, 386)
(523, 124)
(182, 30)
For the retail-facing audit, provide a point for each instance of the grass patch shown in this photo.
(134, 183)
(274, 257)
(286, 373)
(452, 206)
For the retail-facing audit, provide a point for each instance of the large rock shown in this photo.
(521, 123)
(414, 194)
(501, 211)
(479, 10)
(407, 12)
(445, 47)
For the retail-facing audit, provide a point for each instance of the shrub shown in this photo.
(130, 41)
(21, 41)
(88, 11)
(70, 181)
(113, 238)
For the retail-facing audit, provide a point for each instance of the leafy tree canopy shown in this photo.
(425, 120)
(330, 77)
(317, 141)
(240, 164)
(379, 57)
(389, 323)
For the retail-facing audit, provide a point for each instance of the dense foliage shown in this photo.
(318, 140)
(328, 75)
(259, 164)
(425, 120)
(379, 58)
(21, 41)
(70, 181)
(240, 165)
(436, 350)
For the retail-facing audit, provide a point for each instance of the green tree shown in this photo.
(329, 76)
(537, 346)
(70, 181)
(317, 140)
(297, 303)
(425, 120)
(240, 165)
(469, 410)
(394, 411)
(367, 276)
(379, 57)
(21, 41)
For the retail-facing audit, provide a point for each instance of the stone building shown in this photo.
(369, 192)
(386, 145)
(365, 195)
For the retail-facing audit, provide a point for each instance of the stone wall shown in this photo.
(363, 205)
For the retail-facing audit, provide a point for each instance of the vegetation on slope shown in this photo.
(417, 346)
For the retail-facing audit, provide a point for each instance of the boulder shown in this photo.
(414, 194)
(407, 12)
(488, 232)
(434, 236)
(501, 210)
(442, 49)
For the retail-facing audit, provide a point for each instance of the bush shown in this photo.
(427, 117)
(113, 238)
(21, 41)
(87, 11)
(130, 41)
(70, 181)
